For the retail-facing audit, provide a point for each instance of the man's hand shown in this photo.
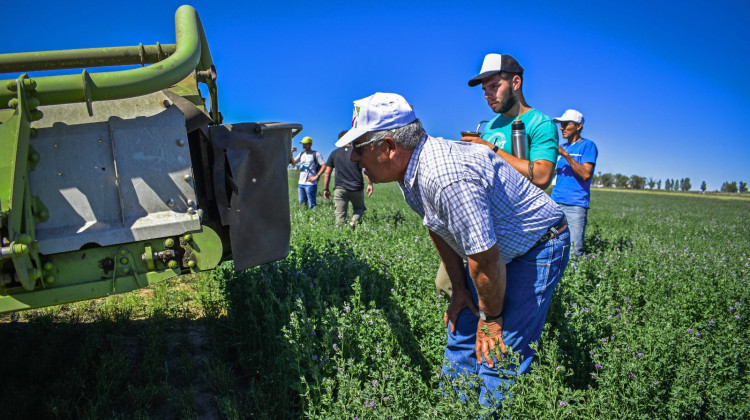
(369, 190)
(561, 151)
(312, 178)
(476, 140)
(327, 195)
(489, 337)
(460, 299)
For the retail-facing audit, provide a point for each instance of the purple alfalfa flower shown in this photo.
(315, 357)
(597, 366)
(690, 330)
(627, 299)
(374, 382)
(563, 403)
(697, 334)
(731, 308)
(632, 375)
(737, 316)
(711, 323)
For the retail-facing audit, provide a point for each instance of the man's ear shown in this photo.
(391, 142)
(517, 82)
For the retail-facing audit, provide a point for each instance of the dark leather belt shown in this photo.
(553, 232)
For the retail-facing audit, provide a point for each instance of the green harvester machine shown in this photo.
(111, 181)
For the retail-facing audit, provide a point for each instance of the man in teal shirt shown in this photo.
(501, 78)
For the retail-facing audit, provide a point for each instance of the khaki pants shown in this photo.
(443, 282)
(341, 199)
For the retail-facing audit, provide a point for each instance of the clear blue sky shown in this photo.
(663, 84)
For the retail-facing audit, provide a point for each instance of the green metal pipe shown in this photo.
(90, 57)
(191, 53)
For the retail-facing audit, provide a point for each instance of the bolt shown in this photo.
(43, 214)
(48, 266)
(123, 251)
(125, 270)
(49, 279)
(188, 177)
(172, 264)
(170, 202)
(168, 243)
(180, 142)
(124, 261)
(191, 210)
(191, 264)
(13, 103)
(34, 157)
(165, 103)
(191, 203)
(188, 237)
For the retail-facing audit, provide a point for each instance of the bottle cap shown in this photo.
(517, 125)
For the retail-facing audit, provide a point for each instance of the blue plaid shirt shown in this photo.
(473, 199)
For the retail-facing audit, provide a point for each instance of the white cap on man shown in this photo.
(570, 115)
(380, 111)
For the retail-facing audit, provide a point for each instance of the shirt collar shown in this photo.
(411, 170)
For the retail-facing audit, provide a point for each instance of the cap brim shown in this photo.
(350, 136)
(481, 76)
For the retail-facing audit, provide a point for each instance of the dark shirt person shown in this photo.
(347, 187)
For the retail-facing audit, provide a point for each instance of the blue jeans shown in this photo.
(530, 281)
(308, 194)
(577, 217)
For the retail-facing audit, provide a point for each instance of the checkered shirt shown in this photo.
(473, 199)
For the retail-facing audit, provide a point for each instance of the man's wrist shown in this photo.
(491, 318)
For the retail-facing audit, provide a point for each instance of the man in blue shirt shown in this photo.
(575, 165)
(479, 208)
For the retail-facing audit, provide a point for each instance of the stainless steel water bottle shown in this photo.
(519, 145)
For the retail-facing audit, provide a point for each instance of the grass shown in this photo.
(652, 323)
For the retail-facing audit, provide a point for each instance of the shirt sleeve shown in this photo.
(544, 141)
(320, 160)
(590, 154)
(464, 208)
(329, 162)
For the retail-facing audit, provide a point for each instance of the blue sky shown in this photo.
(662, 84)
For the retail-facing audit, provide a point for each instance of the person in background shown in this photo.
(348, 185)
(479, 209)
(575, 167)
(502, 81)
(311, 166)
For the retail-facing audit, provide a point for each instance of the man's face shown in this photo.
(499, 93)
(569, 129)
(307, 146)
(372, 158)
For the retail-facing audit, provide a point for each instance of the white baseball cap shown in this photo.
(496, 63)
(380, 111)
(570, 115)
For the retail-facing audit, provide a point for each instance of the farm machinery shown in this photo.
(111, 181)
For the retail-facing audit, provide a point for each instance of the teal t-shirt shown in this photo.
(541, 134)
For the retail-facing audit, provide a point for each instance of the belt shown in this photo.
(553, 232)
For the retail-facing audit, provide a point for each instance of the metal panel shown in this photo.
(114, 178)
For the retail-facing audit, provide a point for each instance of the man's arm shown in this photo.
(294, 161)
(583, 171)
(487, 269)
(326, 180)
(461, 297)
(540, 173)
(369, 185)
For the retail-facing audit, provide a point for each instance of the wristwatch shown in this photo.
(488, 318)
(495, 149)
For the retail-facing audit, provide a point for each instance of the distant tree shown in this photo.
(729, 187)
(686, 184)
(668, 184)
(621, 181)
(651, 183)
(637, 182)
(607, 180)
(703, 186)
(743, 187)
(658, 184)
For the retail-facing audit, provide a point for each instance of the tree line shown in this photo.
(636, 182)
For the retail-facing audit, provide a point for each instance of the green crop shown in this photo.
(651, 323)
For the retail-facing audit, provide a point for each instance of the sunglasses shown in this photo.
(357, 146)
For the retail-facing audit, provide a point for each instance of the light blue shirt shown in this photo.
(473, 199)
